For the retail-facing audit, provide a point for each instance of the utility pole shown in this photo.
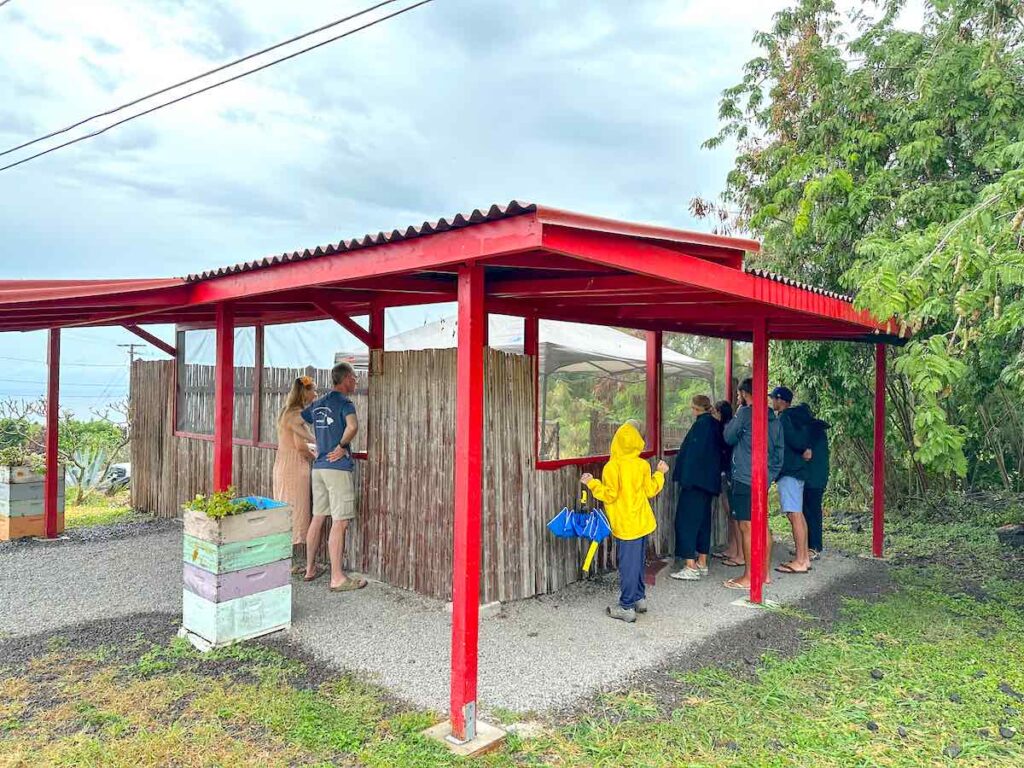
(131, 351)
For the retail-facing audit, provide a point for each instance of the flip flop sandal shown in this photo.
(296, 570)
(320, 571)
(732, 584)
(788, 569)
(349, 585)
(719, 556)
(730, 563)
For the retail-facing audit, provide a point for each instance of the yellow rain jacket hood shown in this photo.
(625, 486)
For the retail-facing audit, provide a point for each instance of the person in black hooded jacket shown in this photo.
(815, 481)
(698, 472)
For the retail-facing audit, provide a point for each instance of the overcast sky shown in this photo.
(597, 106)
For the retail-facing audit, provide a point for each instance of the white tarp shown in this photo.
(564, 347)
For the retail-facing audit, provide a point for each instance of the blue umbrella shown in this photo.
(584, 522)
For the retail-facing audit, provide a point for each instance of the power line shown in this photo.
(63, 384)
(209, 72)
(76, 365)
(215, 85)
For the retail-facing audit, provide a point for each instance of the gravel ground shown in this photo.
(547, 653)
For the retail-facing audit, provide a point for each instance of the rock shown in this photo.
(872, 726)
(984, 733)
(953, 750)
(1008, 690)
(979, 674)
(1010, 711)
(1006, 732)
(749, 661)
(858, 528)
(759, 635)
(955, 698)
(775, 745)
(901, 732)
(1011, 535)
(732, 746)
(533, 634)
(877, 674)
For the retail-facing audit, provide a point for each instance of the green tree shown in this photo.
(892, 163)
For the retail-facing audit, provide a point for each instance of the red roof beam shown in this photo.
(653, 260)
(154, 340)
(520, 233)
(345, 322)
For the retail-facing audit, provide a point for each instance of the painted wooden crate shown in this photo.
(210, 625)
(24, 526)
(236, 574)
(219, 588)
(21, 503)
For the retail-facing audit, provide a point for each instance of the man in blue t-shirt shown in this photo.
(334, 422)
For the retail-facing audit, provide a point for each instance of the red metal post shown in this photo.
(224, 398)
(878, 518)
(531, 336)
(654, 392)
(469, 415)
(759, 463)
(52, 433)
(729, 389)
(376, 328)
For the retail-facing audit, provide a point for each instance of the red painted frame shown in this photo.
(224, 398)
(878, 500)
(759, 464)
(50, 482)
(469, 451)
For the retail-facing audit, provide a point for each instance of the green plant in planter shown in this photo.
(220, 504)
(19, 456)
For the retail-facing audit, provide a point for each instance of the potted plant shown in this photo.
(22, 490)
(237, 568)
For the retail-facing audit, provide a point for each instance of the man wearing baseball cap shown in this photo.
(796, 454)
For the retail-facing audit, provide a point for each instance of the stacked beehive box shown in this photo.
(237, 574)
(21, 503)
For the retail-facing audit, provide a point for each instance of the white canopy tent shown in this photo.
(563, 347)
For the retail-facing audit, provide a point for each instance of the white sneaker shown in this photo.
(686, 574)
(703, 570)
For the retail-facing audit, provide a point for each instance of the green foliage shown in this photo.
(893, 163)
(20, 456)
(220, 504)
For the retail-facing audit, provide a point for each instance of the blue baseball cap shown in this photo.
(782, 393)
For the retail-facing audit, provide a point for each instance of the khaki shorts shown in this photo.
(334, 494)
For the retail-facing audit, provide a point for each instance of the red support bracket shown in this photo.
(346, 322)
(878, 501)
(469, 415)
(224, 398)
(157, 342)
(50, 484)
(531, 336)
(654, 341)
(759, 464)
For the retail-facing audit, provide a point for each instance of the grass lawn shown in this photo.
(927, 675)
(98, 509)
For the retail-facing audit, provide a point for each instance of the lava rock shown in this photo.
(953, 750)
(732, 746)
(1006, 733)
(955, 698)
(1008, 690)
(901, 732)
(979, 674)
(872, 726)
(759, 635)
(749, 661)
(984, 733)
(877, 674)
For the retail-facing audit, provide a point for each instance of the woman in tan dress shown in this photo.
(293, 462)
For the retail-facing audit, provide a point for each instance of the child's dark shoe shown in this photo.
(640, 606)
(627, 615)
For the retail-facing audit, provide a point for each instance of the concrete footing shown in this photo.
(488, 738)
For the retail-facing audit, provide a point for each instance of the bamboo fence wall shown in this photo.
(403, 533)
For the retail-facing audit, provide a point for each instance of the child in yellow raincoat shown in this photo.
(625, 487)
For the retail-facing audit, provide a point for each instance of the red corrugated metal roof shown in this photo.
(495, 212)
(26, 291)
